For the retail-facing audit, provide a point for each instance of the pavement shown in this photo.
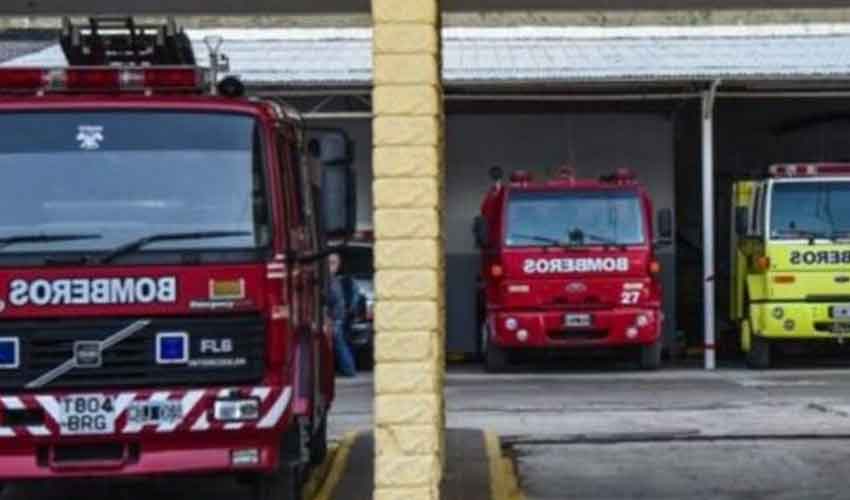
(602, 430)
(467, 473)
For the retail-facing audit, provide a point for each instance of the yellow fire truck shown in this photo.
(791, 258)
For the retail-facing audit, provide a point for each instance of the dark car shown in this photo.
(358, 266)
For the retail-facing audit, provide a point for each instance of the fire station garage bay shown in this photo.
(688, 109)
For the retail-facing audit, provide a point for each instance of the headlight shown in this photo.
(778, 312)
(789, 324)
(511, 324)
(236, 410)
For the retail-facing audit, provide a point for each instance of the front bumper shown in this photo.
(608, 328)
(798, 320)
(193, 443)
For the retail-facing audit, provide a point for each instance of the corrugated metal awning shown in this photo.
(495, 56)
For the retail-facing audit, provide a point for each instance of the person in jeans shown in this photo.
(339, 304)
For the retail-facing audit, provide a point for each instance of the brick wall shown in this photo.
(408, 197)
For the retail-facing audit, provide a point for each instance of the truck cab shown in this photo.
(569, 263)
(791, 258)
(161, 269)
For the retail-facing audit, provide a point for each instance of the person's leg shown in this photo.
(344, 359)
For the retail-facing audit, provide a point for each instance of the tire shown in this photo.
(650, 356)
(287, 483)
(319, 444)
(758, 358)
(495, 359)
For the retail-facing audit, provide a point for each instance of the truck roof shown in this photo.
(65, 102)
(808, 170)
(621, 180)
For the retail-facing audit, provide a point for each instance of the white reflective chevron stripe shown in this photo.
(190, 402)
(51, 406)
(202, 423)
(262, 393)
(135, 427)
(273, 416)
(187, 404)
(13, 403)
(122, 402)
(38, 430)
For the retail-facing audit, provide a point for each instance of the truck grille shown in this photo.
(46, 344)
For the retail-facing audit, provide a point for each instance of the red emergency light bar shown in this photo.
(809, 169)
(520, 176)
(102, 79)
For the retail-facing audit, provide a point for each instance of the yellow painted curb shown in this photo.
(330, 473)
(504, 483)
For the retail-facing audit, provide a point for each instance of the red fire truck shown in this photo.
(161, 268)
(569, 263)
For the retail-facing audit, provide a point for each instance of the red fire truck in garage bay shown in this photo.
(161, 269)
(569, 263)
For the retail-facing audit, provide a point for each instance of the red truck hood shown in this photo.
(131, 291)
(590, 278)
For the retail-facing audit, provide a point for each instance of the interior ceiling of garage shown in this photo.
(342, 58)
(227, 7)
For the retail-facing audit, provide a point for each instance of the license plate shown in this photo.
(577, 320)
(87, 414)
(155, 412)
(841, 312)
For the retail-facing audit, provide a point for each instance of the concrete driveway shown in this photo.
(609, 432)
(598, 433)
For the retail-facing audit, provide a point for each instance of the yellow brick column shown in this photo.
(408, 195)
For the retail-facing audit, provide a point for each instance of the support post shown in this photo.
(708, 100)
(408, 170)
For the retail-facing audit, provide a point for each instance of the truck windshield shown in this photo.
(809, 210)
(94, 181)
(574, 218)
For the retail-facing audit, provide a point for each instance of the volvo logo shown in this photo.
(842, 279)
(87, 354)
(576, 287)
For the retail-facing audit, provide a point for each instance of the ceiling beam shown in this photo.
(248, 7)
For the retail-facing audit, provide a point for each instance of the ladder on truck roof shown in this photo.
(108, 41)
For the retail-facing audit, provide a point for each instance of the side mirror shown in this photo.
(332, 150)
(330, 147)
(665, 226)
(339, 201)
(482, 234)
(741, 221)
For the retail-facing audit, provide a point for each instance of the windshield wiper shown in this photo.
(579, 236)
(810, 235)
(136, 245)
(841, 234)
(541, 239)
(44, 238)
